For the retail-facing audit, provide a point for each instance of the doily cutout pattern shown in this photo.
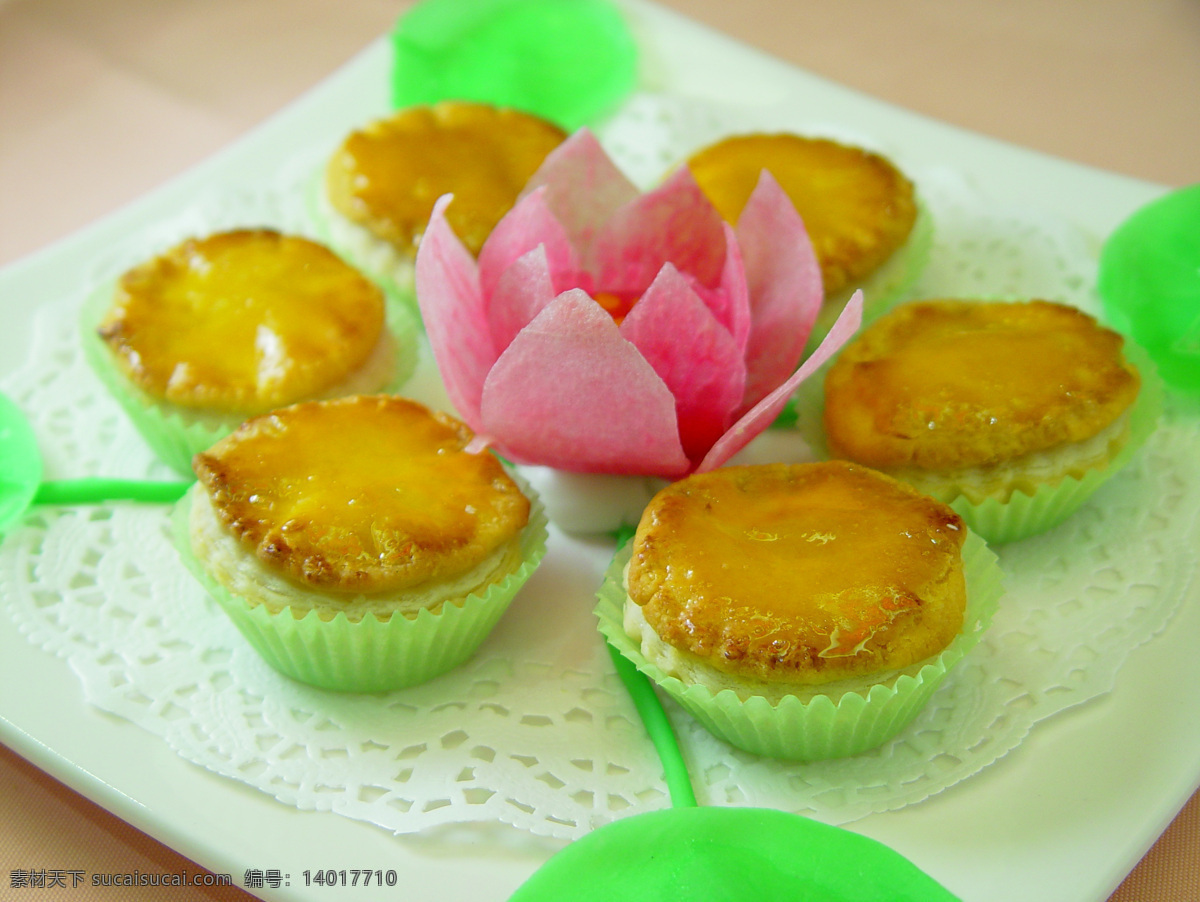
(536, 731)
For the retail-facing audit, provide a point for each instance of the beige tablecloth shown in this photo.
(102, 102)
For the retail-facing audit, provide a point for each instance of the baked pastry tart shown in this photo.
(798, 610)
(861, 212)
(983, 404)
(216, 329)
(382, 181)
(357, 542)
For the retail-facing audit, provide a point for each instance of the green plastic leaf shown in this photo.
(20, 463)
(728, 855)
(568, 61)
(1149, 279)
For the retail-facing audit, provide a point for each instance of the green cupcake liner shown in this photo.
(371, 654)
(175, 434)
(824, 726)
(1022, 514)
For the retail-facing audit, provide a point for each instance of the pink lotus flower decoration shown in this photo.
(606, 331)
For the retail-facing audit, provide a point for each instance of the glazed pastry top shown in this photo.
(806, 573)
(858, 208)
(242, 321)
(362, 494)
(945, 384)
(387, 176)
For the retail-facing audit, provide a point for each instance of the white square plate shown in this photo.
(1062, 818)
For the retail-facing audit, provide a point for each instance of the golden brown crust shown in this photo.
(857, 207)
(387, 176)
(242, 321)
(363, 494)
(803, 573)
(949, 384)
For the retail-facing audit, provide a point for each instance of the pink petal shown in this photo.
(528, 224)
(673, 224)
(785, 285)
(731, 304)
(583, 188)
(452, 307)
(571, 393)
(764, 413)
(705, 370)
(520, 294)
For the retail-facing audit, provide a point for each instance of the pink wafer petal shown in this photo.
(764, 413)
(571, 393)
(734, 311)
(527, 225)
(523, 290)
(583, 188)
(452, 307)
(693, 353)
(784, 279)
(674, 224)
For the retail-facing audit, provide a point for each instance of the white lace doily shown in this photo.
(536, 731)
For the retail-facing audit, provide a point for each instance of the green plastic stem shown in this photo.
(650, 709)
(90, 491)
(679, 783)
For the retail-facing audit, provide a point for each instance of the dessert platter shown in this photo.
(1045, 765)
